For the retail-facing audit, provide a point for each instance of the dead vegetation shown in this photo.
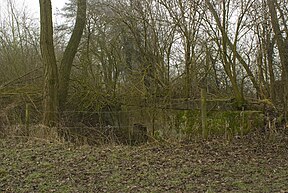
(250, 164)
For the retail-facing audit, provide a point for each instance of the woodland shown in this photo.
(144, 96)
(114, 67)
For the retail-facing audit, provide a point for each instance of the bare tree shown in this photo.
(52, 91)
(281, 41)
(70, 52)
(186, 16)
(265, 43)
(50, 97)
(229, 63)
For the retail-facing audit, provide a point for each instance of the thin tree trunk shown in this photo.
(270, 45)
(232, 46)
(227, 62)
(70, 52)
(282, 47)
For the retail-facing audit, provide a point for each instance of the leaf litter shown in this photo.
(252, 164)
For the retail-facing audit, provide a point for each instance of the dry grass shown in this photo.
(252, 164)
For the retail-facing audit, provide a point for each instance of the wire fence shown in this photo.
(176, 118)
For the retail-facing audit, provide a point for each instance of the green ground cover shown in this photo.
(250, 164)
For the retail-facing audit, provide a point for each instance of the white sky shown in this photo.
(32, 6)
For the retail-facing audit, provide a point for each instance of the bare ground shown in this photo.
(252, 164)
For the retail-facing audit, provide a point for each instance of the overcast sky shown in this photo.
(33, 5)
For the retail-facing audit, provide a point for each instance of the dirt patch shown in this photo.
(244, 165)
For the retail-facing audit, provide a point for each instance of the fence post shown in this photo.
(27, 119)
(204, 112)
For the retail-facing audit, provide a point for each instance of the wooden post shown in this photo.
(204, 112)
(242, 115)
(27, 119)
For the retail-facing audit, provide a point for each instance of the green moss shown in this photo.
(3, 172)
(219, 122)
(35, 176)
(188, 122)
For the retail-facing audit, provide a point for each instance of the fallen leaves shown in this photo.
(243, 165)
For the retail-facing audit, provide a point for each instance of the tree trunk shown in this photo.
(228, 64)
(282, 47)
(70, 52)
(50, 97)
(232, 46)
(270, 52)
